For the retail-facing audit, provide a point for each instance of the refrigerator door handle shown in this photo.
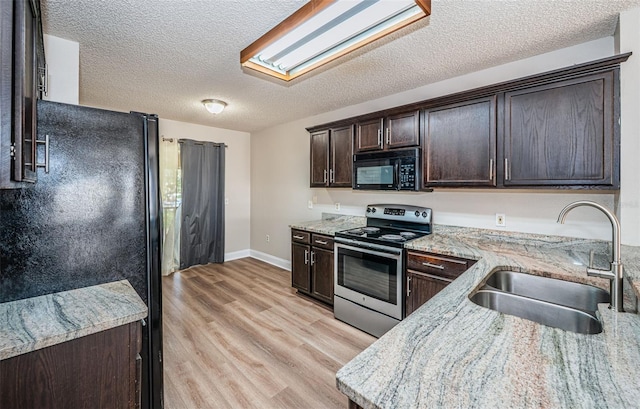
(44, 164)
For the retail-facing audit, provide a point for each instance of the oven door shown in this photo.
(371, 278)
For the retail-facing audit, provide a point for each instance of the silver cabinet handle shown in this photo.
(331, 178)
(380, 138)
(322, 242)
(313, 257)
(388, 136)
(306, 257)
(325, 176)
(298, 237)
(491, 169)
(45, 164)
(507, 169)
(438, 266)
(408, 286)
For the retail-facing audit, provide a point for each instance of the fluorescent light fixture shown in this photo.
(323, 30)
(215, 106)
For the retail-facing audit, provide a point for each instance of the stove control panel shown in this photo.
(407, 213)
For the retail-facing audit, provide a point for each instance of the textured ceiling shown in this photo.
(165, 56)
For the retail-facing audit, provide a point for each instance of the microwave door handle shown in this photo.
(396, 175)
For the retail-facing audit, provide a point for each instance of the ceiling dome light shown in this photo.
(215, 106)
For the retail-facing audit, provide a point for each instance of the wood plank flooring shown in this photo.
(236, 335)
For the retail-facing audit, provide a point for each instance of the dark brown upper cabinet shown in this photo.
(390, 132)
(332, 157)
(555, 130)
(563, 133)
(21, 77)
(460, 144)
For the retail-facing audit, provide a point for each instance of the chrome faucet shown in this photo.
(614, 274)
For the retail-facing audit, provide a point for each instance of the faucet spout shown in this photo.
(615, 274)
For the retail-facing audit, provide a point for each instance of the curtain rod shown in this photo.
(203, 142)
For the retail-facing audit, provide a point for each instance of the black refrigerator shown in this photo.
(93, 218)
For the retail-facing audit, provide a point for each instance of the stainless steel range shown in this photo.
(369, 266)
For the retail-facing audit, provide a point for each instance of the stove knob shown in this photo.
(373, 210)
(424, 214)
(417, 213)
(368, 210)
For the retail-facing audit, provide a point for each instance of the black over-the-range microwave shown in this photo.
(388, 170)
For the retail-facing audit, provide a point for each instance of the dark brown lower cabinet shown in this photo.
(322, 273)
(300, 266)
(353, 405)
(312, 264)
(421, 288)
(427, 274)
(101, 370)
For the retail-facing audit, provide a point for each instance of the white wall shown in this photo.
(63, 62)
(629, 204)
(237, 177)
(280, 171)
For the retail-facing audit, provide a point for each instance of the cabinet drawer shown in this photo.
(300, 236)
(445, 266)
(319, 240)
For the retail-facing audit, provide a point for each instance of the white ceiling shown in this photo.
(165, 56)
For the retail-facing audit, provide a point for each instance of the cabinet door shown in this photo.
(300, 254)
(322, 274)
(341, 156)
(561, 134)
(94, 371)
(403, 130)
(369, 135)
(319, 159)
(460, 144)
(421, 288)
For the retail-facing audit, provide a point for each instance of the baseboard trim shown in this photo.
(237, 254)
(268, 258)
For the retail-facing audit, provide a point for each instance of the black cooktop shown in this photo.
(383, 235)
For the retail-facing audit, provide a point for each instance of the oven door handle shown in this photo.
(367, 247)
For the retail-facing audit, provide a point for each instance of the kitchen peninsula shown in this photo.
(77, 348)
(454, 353)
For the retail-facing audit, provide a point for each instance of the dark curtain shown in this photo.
(202, 227)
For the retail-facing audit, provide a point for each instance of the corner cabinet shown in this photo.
(332, 157)
(393, 131)
(427, 274)
(95, 371)
(460, 144)
(563, 133)
(312, 264)
(22, 77)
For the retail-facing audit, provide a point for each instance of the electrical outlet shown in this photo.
(337, 205)
(268, 238)
(226, 200)
(501, 220)
(310, 204)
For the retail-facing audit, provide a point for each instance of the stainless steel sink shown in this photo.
(556, 303)
(573, 295)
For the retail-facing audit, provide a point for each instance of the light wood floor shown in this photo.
(236, 335)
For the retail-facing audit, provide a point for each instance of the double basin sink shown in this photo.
(548, 301)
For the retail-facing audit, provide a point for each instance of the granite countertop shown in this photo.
(35, 323)
(330, 224)
(452, 353)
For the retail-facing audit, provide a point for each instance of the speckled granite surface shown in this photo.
(452, 353)
(330, 224)
(38, 322)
